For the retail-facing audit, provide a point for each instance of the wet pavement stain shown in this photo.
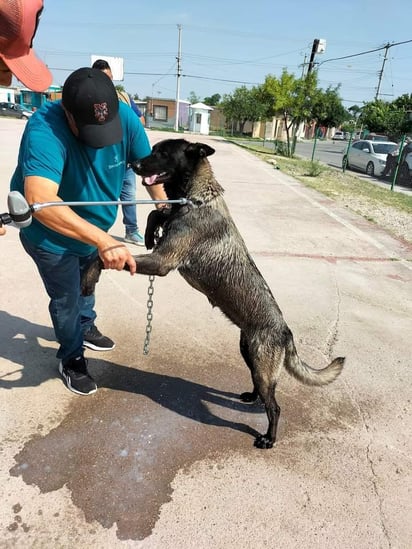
(119, 450)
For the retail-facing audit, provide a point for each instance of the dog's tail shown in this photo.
(307, 375)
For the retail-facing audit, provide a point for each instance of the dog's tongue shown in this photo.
(150, 180)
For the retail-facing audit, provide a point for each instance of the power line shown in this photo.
(364, 52)
(380, 73)
(221, 79)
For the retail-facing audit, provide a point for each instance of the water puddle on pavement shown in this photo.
(119, 450)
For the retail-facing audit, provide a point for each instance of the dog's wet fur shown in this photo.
(201, 241)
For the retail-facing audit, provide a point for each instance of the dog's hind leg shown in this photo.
(273, 413)
(267, 364)
(244, 351)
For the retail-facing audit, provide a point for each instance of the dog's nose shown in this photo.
(136, 167)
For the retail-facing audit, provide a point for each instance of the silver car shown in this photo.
(14, 111)
(368, 156)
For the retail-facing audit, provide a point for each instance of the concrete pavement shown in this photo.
(162, 455)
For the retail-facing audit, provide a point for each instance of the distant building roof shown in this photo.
(201, 106)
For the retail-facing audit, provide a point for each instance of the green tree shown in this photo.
(291, 98)
(327, 108)
(193, 98)
(243, 105)
(384, 117)
(403, 104)
(213, 100)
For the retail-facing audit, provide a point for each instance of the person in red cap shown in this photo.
(19, 20)
(18, 24)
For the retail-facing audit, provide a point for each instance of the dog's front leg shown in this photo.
(154, 264)
(90, 277)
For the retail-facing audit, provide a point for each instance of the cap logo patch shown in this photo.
(101, 111)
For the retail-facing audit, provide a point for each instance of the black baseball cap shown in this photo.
(91, 98)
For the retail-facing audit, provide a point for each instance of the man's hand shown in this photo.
(116, 255)
(2, 230)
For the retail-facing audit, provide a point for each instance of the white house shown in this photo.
(199, 121)
(7, 95)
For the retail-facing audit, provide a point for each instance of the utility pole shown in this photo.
(178, 75)
(381, 71)
(304, 66)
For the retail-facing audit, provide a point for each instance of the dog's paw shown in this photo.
(155, 221)
(90, 277)
(249, 397)
(263, 442)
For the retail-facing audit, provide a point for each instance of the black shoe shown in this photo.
(76, 376)
(96, 341)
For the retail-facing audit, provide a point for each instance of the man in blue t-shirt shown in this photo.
(77, 150)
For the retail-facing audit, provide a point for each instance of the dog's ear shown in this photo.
(201, 150)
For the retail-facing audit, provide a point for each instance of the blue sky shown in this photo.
(228, 43)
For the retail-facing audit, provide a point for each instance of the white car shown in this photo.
(338, 136)
(368, 156)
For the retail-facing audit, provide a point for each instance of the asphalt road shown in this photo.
(162, 456)
(328, 152)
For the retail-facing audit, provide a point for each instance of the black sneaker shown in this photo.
(96, 341)
(76, 376)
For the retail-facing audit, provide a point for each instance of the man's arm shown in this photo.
(157, 192)
(64, 220)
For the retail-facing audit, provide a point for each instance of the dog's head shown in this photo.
(174, 162)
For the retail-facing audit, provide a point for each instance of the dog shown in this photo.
(201, 240)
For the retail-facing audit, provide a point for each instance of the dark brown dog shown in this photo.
(203, 243)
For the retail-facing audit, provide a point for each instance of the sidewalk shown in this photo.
(162, 456)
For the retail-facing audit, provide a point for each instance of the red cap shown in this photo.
(18, 25)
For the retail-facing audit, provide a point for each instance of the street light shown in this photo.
(318, 46)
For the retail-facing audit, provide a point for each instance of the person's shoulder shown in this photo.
(123, 97)
(49, 110)
(125, 112)
(48, 123)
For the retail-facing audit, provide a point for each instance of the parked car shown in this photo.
(14, 110)
(376, 137)
(339, 136)
(368, 156)
(355, 135)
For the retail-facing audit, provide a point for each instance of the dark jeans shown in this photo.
(71, 313)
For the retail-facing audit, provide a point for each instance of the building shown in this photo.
(199, 118)
(29, 99)
(161, 113)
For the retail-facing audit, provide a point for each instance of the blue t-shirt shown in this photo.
(49, 149)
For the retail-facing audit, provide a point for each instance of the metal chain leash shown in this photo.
(150, 292)
(149, 316)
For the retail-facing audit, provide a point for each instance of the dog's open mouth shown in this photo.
(156, 179)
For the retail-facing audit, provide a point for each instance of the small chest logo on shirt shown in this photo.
(101, 111)
(116, 162)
